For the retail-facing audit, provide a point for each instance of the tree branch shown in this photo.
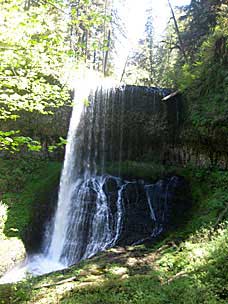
(178, 32)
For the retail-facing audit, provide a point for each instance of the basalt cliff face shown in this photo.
(150, 130)
(130, 212)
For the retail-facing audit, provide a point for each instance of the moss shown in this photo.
(150, 171)
(23, 183)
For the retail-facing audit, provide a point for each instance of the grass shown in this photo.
(187, 266)
(193, 271)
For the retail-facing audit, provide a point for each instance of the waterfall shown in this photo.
(84, 224)
(95, 210)
(66, 186)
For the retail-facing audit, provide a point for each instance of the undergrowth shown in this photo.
(205, 84)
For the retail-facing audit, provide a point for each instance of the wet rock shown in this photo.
(135, 211)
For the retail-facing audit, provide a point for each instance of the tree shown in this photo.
(181, 44)
(90, 31)
(199, 20)
(38, 40)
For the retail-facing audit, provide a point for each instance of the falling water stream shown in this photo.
(90, 217)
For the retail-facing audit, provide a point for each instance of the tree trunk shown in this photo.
(178, 33)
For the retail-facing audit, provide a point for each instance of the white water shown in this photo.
(66, 187)
(71, 220)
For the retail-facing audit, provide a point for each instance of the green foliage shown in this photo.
(90, 23)
(204, 82)
(142, 65)
(42, 43)
(208, 70)
(201, 26)
(199, 18)
(62, 142)
(20, 183)
(33, 53)
(11, 141)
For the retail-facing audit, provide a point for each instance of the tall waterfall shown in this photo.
(88, 219)
(95, 210)
(83, 225)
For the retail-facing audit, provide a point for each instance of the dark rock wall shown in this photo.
(147, 211)
(139, 127)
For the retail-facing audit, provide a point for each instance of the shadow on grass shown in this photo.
(206, 282)
(132, 275)
(114, 265)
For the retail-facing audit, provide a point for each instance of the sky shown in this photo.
(133, 14)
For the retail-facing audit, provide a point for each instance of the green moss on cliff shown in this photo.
(140, 170)
(21, 181)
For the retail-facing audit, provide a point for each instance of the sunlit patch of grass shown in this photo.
(192, 272)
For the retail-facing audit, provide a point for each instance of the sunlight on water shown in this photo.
(85, 82)
(33, 265)
(18, 273)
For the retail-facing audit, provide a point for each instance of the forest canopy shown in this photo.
(43, 41)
